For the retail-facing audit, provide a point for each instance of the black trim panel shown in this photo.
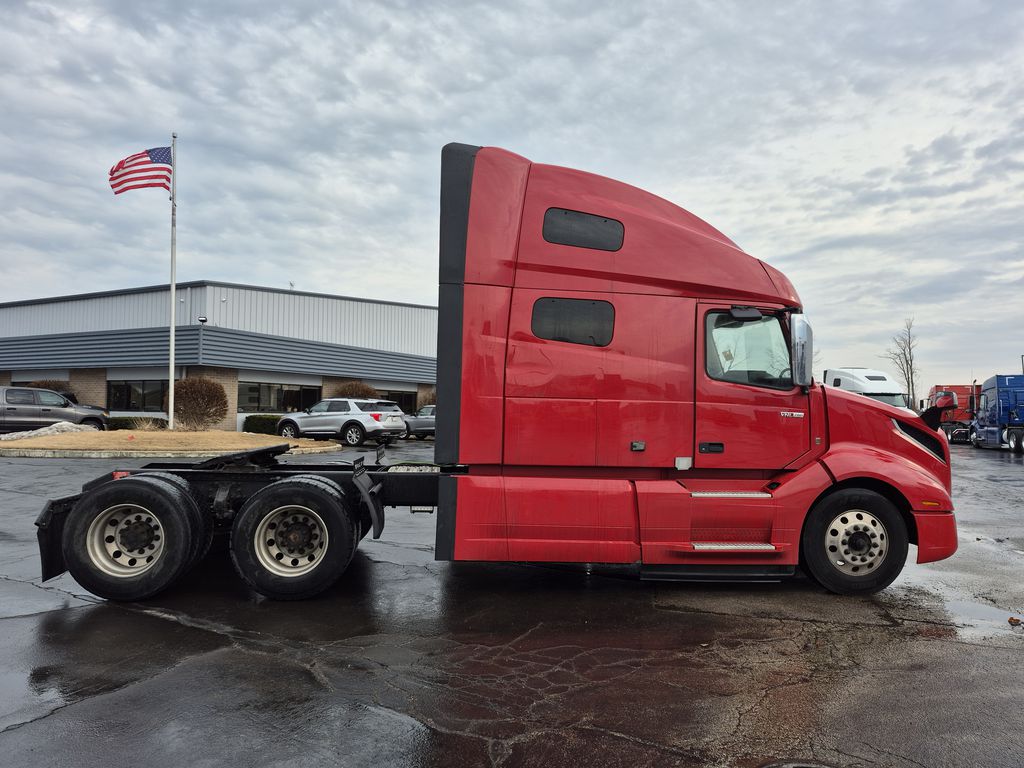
(716, 572)
(447, 500)
(457, 162)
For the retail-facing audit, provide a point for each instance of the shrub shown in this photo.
(261, 424)
(145, 424)
(57, 385)
(199, 403)
(356, 389)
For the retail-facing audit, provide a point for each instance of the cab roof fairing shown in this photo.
(666, 249)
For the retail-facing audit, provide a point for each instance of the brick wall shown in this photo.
(90, 384)
(331, 385)
(5, 378)
(422, 391)
(227, 378)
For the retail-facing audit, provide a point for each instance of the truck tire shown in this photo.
(202, 521)
(352, 435)
(129, 539)
(973, 438)
(294, 538)
(1014, 441)
(854, 542)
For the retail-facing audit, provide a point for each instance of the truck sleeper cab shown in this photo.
(684, 442)
(617, 383)
(999, 414)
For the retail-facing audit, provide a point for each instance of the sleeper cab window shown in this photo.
(574, 321)
(582, 230)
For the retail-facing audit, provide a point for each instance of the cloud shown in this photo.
(872, 151)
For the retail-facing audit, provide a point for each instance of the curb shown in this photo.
(47, 453)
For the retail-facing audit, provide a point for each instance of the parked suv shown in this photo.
(349, 420)
(420, 424)
(24, 408)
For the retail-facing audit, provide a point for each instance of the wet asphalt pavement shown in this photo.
(408, 662)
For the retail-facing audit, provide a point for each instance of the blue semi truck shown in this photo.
(999, 414)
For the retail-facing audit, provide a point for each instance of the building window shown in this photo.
(275, 398)
(405, 400)
(136, 395)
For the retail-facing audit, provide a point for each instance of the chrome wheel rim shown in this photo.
(291, 540)
(352, 435)
(125, 540)
(288, 431)
(856, 542)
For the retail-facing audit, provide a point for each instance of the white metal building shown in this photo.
(272, 350)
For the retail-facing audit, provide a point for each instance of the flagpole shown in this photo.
(174, 308)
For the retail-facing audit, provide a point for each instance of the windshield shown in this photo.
(890, 398)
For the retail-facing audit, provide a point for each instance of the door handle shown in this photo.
(711, 448)
(45, 410)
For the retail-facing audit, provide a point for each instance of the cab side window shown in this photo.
(51, 399)
(338, 406)
(752, 352)
(21, 397)
(575, 321)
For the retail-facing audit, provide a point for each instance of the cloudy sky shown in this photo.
(872, 151)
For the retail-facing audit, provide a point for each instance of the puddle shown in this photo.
(978, 619)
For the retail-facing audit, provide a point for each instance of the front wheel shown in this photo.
(854, 542)
(1014, 441)
(94, 423)
(973, 437)
(288, 430)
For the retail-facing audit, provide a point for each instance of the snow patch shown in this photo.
(60, 428)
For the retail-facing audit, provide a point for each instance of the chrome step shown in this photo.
(730, 494)
(733, 546)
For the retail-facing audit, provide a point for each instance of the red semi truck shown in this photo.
(618, 383)
(956, 422)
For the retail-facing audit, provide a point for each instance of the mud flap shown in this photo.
(369, 492)
(50, 531)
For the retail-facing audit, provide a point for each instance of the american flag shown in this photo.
(151, 168)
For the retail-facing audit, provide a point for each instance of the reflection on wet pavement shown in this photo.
(409, 662)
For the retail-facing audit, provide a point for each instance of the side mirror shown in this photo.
(801, 350)
(308, 410)
(973, 403)
(921, 406)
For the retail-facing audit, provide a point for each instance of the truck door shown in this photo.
(749, 415)
(20, 410)
(54, 408)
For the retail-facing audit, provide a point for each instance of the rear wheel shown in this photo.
(202, 522)
(294, 538)
(353, 435)
(854, 542)
(129, 539)
(420, 436)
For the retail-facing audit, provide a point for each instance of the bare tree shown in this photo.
(902, 355)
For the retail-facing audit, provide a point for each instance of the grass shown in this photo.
(134, 440)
